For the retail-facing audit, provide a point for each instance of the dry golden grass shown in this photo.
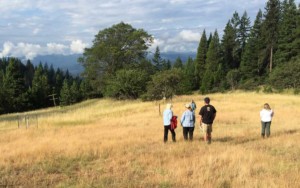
(106, 143)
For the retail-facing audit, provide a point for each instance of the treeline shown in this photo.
(265, 53)
(26, 87)
(249, 55)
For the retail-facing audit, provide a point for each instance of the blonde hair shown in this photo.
(169, 106)
(267, 106)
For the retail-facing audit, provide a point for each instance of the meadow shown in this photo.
(108, 143)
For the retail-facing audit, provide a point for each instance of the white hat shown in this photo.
(187, 105)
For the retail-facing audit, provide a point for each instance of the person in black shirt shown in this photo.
(207, 116)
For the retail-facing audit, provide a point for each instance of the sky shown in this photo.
(43, 27)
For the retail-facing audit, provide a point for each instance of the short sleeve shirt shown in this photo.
(208, 113)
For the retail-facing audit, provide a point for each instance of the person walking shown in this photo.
(207, 116)
(266, 115)
(193, 106)
(167, 116)
(187, 122)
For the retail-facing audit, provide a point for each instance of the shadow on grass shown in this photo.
(244, 140)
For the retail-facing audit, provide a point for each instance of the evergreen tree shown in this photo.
(157, 60)
(2, 94)
(65, 94)
(229, 46)
(251, 57)
(244, 31)
(14, 86)
(212, 75)
(200, 60)
(40, 91)
(189, 70)
(287, 28)
(85, 90)
(271, 30)
(74, 92)
(29, 73)
(178, 63)
(166, 65)
(236, 50)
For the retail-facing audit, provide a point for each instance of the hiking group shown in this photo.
(207, 115)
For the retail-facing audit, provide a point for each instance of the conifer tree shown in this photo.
(212, 76)
(244, 31)
(229, 45)
(178, 63)
(287, 36)
(74, 92)
(65, 94)
(2, 96)
(189, 70)
(13, 85)
(251, 57)
(270, 31)
(157, 60)
(200, 60)
(40, 89)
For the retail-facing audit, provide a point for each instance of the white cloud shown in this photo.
(77, 46)
(54, 48)
(55, 26)
(29, 51)
(189, 36)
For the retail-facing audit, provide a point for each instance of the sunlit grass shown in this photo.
(107, 143)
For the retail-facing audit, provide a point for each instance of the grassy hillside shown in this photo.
(105, 143)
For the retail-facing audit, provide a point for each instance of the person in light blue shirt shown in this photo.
(188, 121)
(167, 116)
(193, 106)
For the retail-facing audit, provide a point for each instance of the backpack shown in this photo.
(173, 122)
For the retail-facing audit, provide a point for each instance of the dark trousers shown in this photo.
(188, 132)
(265, 128)
(166, 131)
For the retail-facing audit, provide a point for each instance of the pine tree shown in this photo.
(244, 31)
(189, 70)
(212, 76)
(74, 92)
(250, 60)
(2, 94)
(236, 50)
(178, 63)
(166, 65)
(271, 30)
(287, 28)
(29, 73)
(14, 86)
(200, 60)
(228, 47)
(40, 89)
(157, 60)
(65, 94)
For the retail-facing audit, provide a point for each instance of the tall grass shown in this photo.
(106, 143)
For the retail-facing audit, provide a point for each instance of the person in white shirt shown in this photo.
(266, 115)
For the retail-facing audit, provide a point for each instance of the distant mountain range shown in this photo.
(64, 62)
(69, 62)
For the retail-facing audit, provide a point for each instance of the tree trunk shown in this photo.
(271, 59)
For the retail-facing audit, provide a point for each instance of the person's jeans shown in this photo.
(166, 131)
(188, 132)
(265, 129)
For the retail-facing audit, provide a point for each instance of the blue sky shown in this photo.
(41, 27)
